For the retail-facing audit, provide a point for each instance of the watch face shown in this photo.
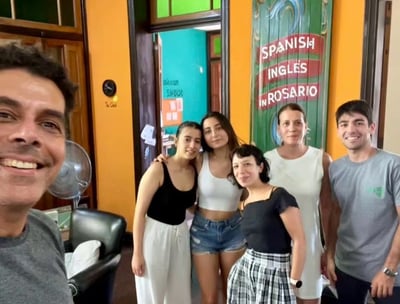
(109, 87)
(296, 283)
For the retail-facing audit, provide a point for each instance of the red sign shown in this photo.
(290, 63)
(292, 68)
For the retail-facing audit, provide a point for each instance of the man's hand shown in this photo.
(330, 270)
(382, 285)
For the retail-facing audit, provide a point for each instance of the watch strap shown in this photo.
(390, 272)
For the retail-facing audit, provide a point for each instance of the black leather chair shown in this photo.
(95, 284)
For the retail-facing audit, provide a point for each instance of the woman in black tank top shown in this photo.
(161, 256)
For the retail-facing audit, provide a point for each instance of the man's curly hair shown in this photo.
(35, 62)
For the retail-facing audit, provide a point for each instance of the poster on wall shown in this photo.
(290, 63)
(171, 112)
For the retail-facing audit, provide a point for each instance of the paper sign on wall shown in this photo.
(171, 112)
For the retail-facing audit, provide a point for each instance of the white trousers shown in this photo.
(166, 251)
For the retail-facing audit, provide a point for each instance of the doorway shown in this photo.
(145, 102)
(188, 78)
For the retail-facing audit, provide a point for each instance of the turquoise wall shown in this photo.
(184, 71)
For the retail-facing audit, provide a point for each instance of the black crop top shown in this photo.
(169, 204)
(262, 225)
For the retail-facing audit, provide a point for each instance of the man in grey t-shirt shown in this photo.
(36, 97)
(363, 244)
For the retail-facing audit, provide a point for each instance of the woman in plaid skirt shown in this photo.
(273, 229)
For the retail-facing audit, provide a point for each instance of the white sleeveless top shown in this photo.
(215, 193)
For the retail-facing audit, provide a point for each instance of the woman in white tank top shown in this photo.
(216, 239)
(303, 171)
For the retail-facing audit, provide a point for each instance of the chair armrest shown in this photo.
(80, 282)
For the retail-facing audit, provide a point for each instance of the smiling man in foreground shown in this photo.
(36, 98)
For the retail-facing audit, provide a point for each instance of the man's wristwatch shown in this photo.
(295, 283)
(390, 272)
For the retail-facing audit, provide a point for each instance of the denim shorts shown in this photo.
(208, 236)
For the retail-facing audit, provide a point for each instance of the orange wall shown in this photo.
(240, 66)
(109, 58)
(346, 63)
(345, 71)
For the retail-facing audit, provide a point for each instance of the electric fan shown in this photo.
(74, 176)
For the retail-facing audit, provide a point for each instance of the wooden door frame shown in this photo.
(369, 50)
(370, 77)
